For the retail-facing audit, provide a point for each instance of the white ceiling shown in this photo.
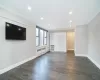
(55, 12)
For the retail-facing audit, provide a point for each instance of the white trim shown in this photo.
(71, 49)
(94, 62)
(18, 64)
(58, 51)
(82, 55)
(15, 65)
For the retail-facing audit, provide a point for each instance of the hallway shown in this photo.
(55, 66)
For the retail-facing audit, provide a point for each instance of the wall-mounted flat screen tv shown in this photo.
(15, 32)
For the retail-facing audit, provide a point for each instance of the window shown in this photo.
(41, 37)
(37, 37)
(45, 37)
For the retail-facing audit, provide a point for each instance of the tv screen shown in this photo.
(15, 32)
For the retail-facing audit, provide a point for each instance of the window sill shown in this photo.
(41, 46)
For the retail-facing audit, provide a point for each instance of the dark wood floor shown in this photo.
(55, 66)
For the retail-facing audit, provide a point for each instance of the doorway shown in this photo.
(70, 41)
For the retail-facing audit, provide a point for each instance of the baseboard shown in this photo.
(18, 64)
(58, 51)
(70, 50)
(94, 62)
(82, 55)
(15, 65)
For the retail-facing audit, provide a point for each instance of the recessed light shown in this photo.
(29, 8)
(70, 12)
(70, 21)
(41, 18)
(48, 24)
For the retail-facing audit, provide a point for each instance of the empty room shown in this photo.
(49, 40)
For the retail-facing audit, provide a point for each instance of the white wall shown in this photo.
(87, 40)
(94, 39)
(58, 39)
(13, 51)
(81, 40)
(70, 40)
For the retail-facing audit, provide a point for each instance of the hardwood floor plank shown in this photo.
(55, 66)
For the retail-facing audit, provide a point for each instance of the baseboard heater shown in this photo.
(40, 49)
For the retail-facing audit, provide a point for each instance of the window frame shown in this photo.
(38, 37)
(44, 37)
(44, 30)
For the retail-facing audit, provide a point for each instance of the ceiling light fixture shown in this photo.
(70, 12)
(41, 18)
(48, 24)
(29, 8)
(70, 21)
